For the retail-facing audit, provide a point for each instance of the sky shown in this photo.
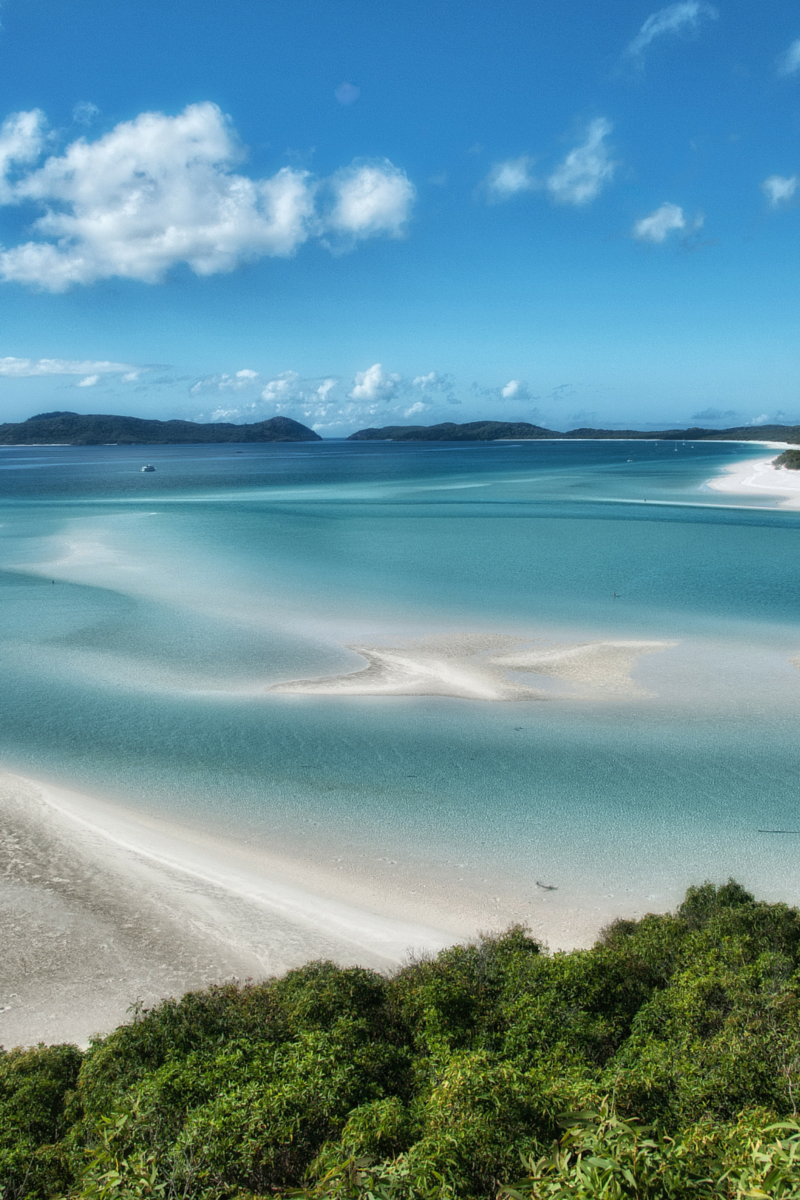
(361, 214)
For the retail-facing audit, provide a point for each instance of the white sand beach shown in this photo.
(759, 477)
(102, 906)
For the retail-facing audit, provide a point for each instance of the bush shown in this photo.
(673, 1046)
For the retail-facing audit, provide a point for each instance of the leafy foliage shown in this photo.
(663, 1063)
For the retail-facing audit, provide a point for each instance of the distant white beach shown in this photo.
(760, 477)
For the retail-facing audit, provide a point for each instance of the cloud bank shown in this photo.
(159, 191)
(27, 368)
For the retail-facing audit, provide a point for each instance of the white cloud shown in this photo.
(675, 18)
(158, 191)
(89, 381)
(508, 178)
(370, 200)
(789, 62)
(665, 220)
(374, 384)
(416, 409)
(515, 389)
(21, 142)
(26, 368)
(282, 388)
(246, 373)
(586, 169)
(779, 189)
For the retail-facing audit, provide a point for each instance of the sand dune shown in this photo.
(470, 667)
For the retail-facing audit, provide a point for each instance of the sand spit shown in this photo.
(102, 907)
(760, 477)
(471, 667)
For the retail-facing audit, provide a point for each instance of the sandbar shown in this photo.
(489, 667)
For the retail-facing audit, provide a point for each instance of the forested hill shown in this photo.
(492, 431)
(73, 429)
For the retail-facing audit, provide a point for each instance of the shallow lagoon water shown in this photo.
(145, 616)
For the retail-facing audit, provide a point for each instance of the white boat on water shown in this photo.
(148, 467)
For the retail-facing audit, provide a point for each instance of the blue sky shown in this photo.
(360, 214)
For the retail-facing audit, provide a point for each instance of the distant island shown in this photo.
(492, 431)
(73, 429)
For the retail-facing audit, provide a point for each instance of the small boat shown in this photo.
(148, 467)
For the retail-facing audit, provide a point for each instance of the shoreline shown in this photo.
(104, 906)
(760, 476)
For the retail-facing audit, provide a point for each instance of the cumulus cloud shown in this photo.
(511, 177)
(789, 62)
(779, 189)
(307, 399)
(89, 381)
(159, 190)
(665, 220)
(370, 199)
(326, 403)
(419, 406)
(675, 18)
(21, 142)
(281, 388)
(26, 368)
(515, 389)
(585, 170)
(374, 384)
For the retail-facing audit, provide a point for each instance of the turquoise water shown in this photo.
(144, 616)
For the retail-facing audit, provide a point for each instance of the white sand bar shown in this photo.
(489, 667)
(760, 477)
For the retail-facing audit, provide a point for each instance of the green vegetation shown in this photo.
(491, 431)
(663, 1063)
(76, 429)
(789, 458)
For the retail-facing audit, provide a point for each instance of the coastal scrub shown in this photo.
(663, 1062)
